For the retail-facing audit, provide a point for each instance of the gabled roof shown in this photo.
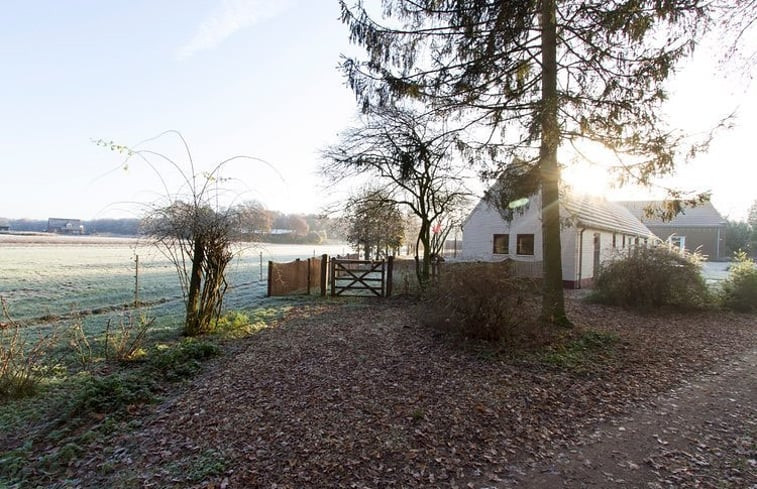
(591, 212)
(598, 213)
(704, 215)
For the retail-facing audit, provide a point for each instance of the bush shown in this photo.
(183, 360)
(650, 277)
(739, 291)
(481, 301)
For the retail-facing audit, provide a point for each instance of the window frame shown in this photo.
(506, 238)
(519, 244)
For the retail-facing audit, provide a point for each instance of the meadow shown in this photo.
(47, 280)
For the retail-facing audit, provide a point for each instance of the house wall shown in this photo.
(707, 240)
(485, 221)
(577, 244)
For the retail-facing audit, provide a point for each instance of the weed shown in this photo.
(208, 464)
(126, 340)
(113, 394)
(21, 360)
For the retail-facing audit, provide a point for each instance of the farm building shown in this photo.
(699, 228)
(593, 231)
(64, 226)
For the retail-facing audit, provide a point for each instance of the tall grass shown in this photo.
(22, 358)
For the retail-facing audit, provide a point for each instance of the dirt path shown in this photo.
(702, 434)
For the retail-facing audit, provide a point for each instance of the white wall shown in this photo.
(485, 221)
(577, 247)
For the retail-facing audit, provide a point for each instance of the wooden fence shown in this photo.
(297, 277)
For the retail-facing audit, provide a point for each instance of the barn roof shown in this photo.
(598, 213)
(704, 215)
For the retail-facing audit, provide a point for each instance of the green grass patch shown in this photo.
(581, 353)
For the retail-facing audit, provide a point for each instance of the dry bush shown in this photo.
(483, 301)
(22, 356)
(651, 277)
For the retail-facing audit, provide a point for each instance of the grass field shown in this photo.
(46, 280)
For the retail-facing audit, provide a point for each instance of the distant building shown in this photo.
(4, 225)
(64, 226)
(699, 228)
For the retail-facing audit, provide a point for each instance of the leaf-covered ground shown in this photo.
(366, 396)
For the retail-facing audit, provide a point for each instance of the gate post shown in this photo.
(324, 274)
(389, 268)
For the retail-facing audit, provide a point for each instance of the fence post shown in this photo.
(389, 269)
(324, 270)
(270, 274)
(136, 280)
(308, 265)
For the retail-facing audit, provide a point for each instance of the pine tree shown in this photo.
(524, 77)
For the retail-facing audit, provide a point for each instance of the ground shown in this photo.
(701, 434)
(365, 395)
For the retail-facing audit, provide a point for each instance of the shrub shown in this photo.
(183, 360)
(649, 277)
(739, 291)
(481, 300)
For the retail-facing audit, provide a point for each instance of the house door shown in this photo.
(596, 255)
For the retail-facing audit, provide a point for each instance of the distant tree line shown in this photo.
(253, 223)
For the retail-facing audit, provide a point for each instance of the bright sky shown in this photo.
(252, 77)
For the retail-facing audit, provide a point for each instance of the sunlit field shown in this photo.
(45, 280)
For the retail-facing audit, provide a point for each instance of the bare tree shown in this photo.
(411, 156)
(192, 228)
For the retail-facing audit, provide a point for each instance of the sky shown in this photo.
(236, 77)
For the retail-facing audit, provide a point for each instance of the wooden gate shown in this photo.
(361, 277)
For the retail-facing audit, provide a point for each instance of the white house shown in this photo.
(593, 229)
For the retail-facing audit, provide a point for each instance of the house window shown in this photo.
(614, 239)
(525, 244)
(624, 241)
(501, 244)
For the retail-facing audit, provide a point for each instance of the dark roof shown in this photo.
(704, 215)
(598, 213)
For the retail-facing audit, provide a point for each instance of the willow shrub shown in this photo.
(652, 277)
(481, 301)
(739, 291)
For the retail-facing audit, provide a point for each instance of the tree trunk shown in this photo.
(553, 301)
(192, 323)
(423, 267)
